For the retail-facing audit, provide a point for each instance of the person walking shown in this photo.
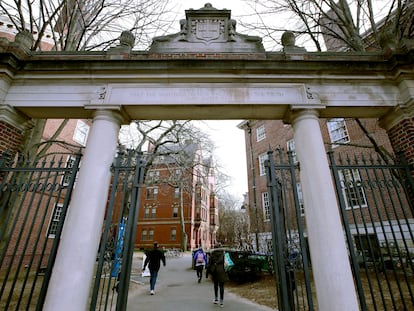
(215, 267)
(200, 260)
(153, 260)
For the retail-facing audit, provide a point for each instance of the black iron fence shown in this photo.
(34, 198)
(378, 222)
(294, 283)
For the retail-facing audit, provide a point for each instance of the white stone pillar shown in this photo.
(73, 270)
(332, 274)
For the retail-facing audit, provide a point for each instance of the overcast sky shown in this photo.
(234, 5)
(231, 153)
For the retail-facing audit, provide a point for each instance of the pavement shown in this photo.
(177, 289)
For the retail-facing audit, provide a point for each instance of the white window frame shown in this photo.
(66, 176)
(173, 234)
(266, 206)
(260, 133)
(153, 176)
(151, 193)
(175, 212)
(80, 135)
(54, 220)
(147, 212)
(290, 146)
(338, 131)
(300, 198)
(262, 158)
(352, 190)
(144, 235)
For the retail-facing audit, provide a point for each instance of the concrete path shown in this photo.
(177, 289)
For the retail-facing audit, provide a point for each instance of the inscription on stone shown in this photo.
(206, 95)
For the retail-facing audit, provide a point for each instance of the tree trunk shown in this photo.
(182, 225)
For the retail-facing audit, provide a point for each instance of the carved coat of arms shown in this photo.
(208, 30)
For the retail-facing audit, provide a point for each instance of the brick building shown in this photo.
(178, 193)
(343, 136)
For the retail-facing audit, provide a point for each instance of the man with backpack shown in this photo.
(200, 260)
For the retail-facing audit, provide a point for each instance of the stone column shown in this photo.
(332, 274)
(73, 270)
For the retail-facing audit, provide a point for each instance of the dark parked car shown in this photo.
(247, 265)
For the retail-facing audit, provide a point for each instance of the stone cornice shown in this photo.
(403, 111)
(397, 115)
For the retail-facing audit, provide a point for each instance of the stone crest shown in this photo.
(207, 30)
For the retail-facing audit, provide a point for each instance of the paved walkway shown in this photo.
(177, 289)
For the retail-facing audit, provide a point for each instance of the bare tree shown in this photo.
(234, 227)
(340, 24)
(73, 25)
(88, 25)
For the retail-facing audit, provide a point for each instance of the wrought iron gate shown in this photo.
(290, 252)
(34, 198)
(378, 223)
(114, 260)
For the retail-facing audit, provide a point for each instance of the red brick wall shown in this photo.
(402, 139)
(10, 137)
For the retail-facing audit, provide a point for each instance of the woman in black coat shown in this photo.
(218, 274)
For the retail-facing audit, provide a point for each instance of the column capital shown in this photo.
(12, 117)
(117, 115)
(405, 110)
(294, 115)
(396, 115)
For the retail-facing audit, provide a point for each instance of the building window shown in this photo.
(352, 189)
(81, 132)
(175, 211)
(153, 176)
(159, 159)
(153, 212)
(262, 158)
(198, 213)
(300, 198)
(260, 133)
(176, 193)
(338, 131)
(173, 234)
(54, 222)
(151, 234)
(152, 193)
(144, 235)
(146, 212)
(290, 144)
(266, 205)
(67, 175)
